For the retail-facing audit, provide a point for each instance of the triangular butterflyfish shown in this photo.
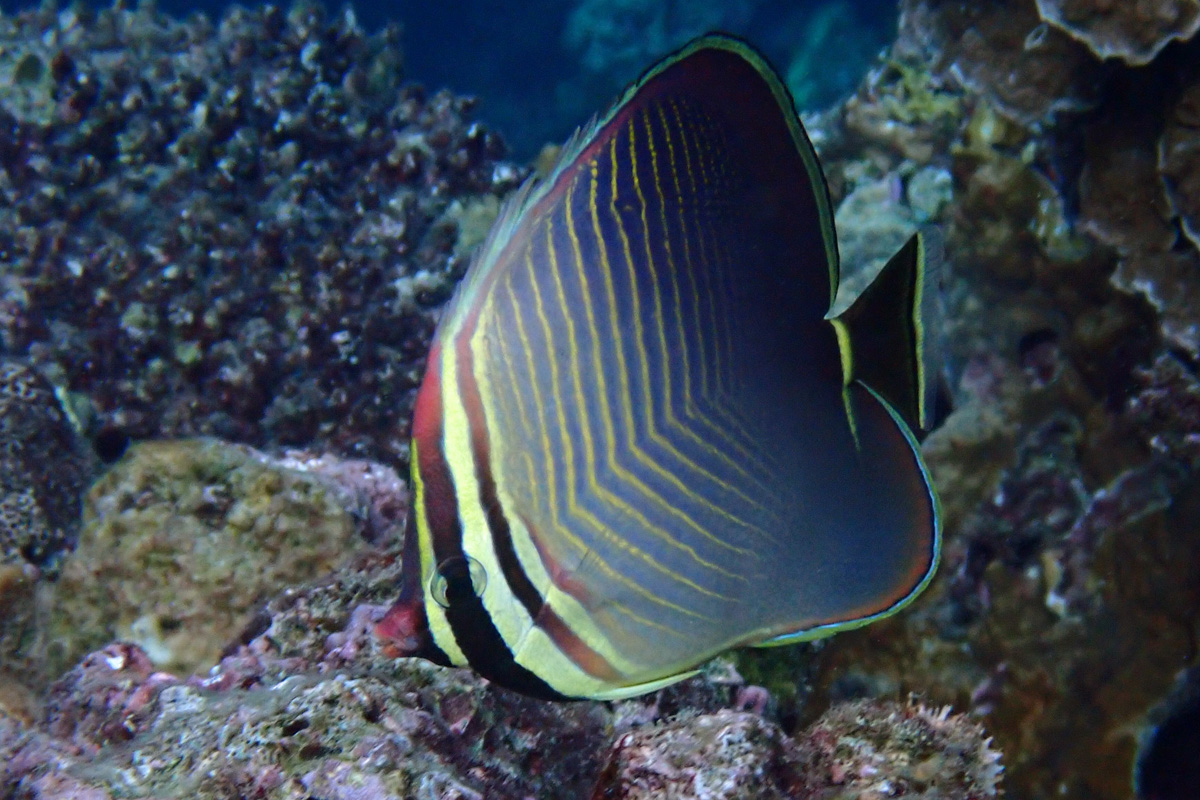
(641, 438)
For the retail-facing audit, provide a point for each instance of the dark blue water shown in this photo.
(542, 67)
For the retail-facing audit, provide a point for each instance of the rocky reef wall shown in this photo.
(237, 229)
(244, 229)
(1067, 610)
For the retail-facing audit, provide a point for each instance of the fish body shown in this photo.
(640, 440)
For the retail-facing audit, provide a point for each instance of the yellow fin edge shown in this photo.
(622, 692)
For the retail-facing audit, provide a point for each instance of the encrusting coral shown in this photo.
(1066, 604)
(45, 467)
(240, 229)
(1135, 32)
(181, 543)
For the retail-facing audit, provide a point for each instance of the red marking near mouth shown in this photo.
(404, 630)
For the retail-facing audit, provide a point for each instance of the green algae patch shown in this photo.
(182, 543)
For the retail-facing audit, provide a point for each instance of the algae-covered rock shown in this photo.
(233, 227)
(307, 703)
(730, 755)
(45, 467)
(381, 729)
(308, 706)
(182, 542)
(855, 750)
(877, 750)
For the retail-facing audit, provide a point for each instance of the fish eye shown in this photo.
(457, 579)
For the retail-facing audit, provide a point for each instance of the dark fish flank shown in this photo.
(639, 441)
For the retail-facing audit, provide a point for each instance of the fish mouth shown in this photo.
(404, 631)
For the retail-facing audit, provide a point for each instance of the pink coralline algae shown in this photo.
(377, 728)
(269, 721)
(864, 750)
(109, 697)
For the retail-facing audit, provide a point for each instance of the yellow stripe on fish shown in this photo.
(640, 439)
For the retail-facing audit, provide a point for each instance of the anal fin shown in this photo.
(622, 692)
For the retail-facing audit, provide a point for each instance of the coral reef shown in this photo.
(305, 702)
(901, 111)
(729, 754)
(255, 244)
(1067, 606)
(397, 730)
(277, 719)
(1126, 168)
(1133, 32)
(1005, 53)
(1013, 627)
(45, 466)
(183, 540)
(239, 228)
(871, 750)
(1132, 188)
(374, 494)
(863, 750)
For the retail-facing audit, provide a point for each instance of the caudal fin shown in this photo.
(887, 336)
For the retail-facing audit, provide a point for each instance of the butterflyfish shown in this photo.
(641, 439)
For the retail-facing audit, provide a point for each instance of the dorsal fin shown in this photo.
(884, 335)
(520, 203)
